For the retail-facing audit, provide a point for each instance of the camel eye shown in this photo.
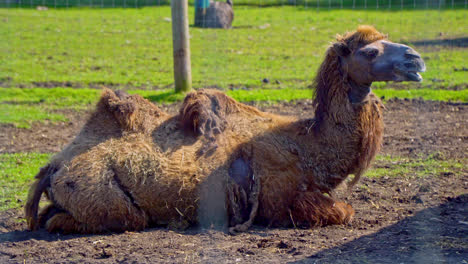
(370, 53)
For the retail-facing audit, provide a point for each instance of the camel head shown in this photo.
(367, 56)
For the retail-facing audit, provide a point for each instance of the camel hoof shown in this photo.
(347, 213)
(235, 230)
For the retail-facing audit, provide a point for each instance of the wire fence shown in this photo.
(318, 4)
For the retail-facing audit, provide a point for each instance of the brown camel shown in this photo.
(222, 162)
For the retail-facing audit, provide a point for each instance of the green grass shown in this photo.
(16, 175)
(133, 47)
(274, 95)
(24, 115)
(426, 94)
(21, 106)
(53, 98)
(432, 165)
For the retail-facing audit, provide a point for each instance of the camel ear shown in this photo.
(341, 49)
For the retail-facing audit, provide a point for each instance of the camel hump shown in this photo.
(203, 112)
(121, 107)
(133, 112)
(206, 112)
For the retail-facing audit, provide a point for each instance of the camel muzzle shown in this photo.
(409, 69)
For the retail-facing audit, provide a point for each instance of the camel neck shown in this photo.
(350, 132)
(358, 93)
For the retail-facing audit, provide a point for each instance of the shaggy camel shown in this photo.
(220, 162)
(216, 15)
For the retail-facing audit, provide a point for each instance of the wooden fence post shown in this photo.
(181, 46)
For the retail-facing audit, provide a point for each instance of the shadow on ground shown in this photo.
(434, 235)
(18, 236)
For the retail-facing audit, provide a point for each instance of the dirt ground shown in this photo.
(398, 219)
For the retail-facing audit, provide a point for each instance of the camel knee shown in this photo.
(313, 208)
(47, 213)
(64, 223)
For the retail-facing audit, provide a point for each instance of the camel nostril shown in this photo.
(412, 55)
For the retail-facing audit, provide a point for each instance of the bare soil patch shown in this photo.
(398, 219)
(412, 127)
(44, 137)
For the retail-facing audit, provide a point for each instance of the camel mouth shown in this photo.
(411, 76)
(414, 76)
(408, 70)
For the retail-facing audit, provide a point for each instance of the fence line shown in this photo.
(306, 4)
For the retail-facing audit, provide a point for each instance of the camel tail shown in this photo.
(229, 2)
(35, 192)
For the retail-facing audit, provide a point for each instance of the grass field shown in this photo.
(132, 47)
(16, 175)
(389, 166)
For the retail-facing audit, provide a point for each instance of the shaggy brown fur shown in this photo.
(217, 162)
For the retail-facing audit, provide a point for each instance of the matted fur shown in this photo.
(133, 166)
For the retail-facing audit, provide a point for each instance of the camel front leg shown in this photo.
(316, 209)
(239, 200)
